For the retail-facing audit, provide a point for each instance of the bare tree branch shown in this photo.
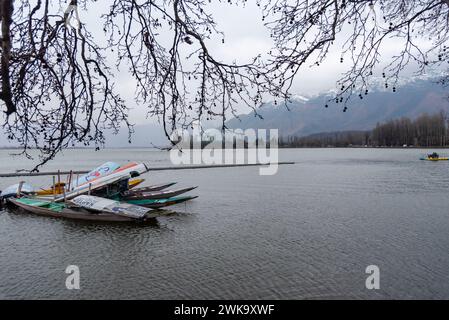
(58, 83)
(304, 32)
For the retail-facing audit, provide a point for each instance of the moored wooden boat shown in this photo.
(136, 195)
(157, 187)
(104, 205)
(59, 187)
(17, 190)
(134, 183)
(123, 174)
(63, 210)
(161, 203)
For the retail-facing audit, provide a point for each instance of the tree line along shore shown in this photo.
(423, 131)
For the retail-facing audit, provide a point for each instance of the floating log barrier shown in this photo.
(55, 173)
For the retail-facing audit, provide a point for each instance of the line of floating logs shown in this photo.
(54, 173)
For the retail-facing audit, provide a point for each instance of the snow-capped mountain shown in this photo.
(308, 115)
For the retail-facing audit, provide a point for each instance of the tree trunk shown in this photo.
(6, 11)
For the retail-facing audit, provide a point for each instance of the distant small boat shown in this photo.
(435, 159)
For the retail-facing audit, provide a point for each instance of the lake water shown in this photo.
(308, 232)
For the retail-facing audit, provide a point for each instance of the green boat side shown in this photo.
(53, 206)
(161, 202)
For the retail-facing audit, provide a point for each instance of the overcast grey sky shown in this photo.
(246, 37)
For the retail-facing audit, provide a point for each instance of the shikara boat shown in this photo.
(161, 203)
(155, 199)
(17, 190)
(103, 170)
(72, 211)
(117, 177)
(134, 183)
(59, 187)
(157, 187)
(136, 195)
(103, 205)
(107, 193)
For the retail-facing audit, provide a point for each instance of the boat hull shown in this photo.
(75, 213)
(437, 159)
(133, 195)
(158, 187)
(161, 203)
(133, 183)
(12, 191)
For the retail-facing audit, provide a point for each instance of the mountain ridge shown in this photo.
(308, 116)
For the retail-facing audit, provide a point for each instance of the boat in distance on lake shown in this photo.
(434, 157)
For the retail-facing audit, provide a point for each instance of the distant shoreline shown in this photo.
(280, 147)
(83, 148)
(363, 147)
